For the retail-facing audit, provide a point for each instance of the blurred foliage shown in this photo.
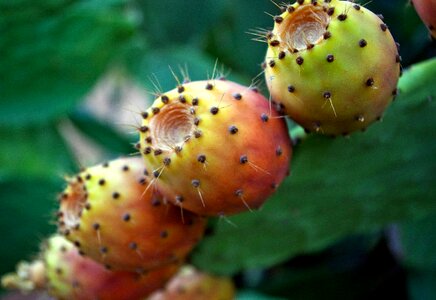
(53, 52)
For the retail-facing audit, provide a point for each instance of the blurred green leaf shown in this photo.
(102, 133)
(53, 52)
(422, 285)
(340, 186)
(37, 151)
(28, 207)
(419, 243)
(252, 295)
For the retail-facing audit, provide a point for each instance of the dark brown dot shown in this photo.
(158, 152)
(264, 117)
(77, 244)
(201, 158)
(178, 149)
(239, 193)
(243, 159)
(103, 249)
(330, 58)
(164, 234)
(179, 199)
(142, 181)
(126, 217)
(196, 121)
(272, 63)
(214, 110)
(263, 65)
(279, 151)
(299, 60)
(198, 133)
(314, 2)
(79, 179)
(398, 58)
(115, 195)
(155, 202)
(101, 182)
(310, 46)
(209, 86)
(164, 99)
(233, 129)
(327, 95)
(137, 146)
(147, 150)
(274, 43)
(96, 226)
(383, 27)
(362, 43)
(156, 173)
(291, 88)
(395, 92)
(125, 168)
(331, 11)
(342, 17)
(300, 2)
(195, 183)
(133, 245)
(87, 206)
(105, 165)
(356, 7)
(182, 99)
(327, 35)
(269, 35)
(290, 9)
(237, 96)
(155, 110)
(167, 161)
(144, 115)
(195, 101)
(148, 139)
(369, 82)
(180, 89)
(278, 19)
(282, 54)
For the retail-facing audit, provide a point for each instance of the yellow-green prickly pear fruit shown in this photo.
(332, 66)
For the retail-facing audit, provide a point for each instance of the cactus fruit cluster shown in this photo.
(332, 66)
(426, 10)
(231, 147)
(213, 148)
(109, 215)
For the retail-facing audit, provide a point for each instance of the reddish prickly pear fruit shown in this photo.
(190, 284)
(72, 276)
(216, 147)
(426, 10)
(332, 66)
(110, 216)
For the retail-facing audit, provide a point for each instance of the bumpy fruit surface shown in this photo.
(191, 284)
(72, 276)
(216, 147)
(111, 217)
(332, 66)
(426, 10)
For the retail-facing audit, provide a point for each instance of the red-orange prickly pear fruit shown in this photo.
(72, 276)
(216, 147)
(109, 215)
(191, 284)
(426, 10)
(332, 66)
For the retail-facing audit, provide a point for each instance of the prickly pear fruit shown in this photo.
(72, 276)
(426, 10)
(191, 284)
(110, 216)
(332, 66)
(216, 147)
(28, 277)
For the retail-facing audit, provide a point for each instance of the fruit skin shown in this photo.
(191, 284)
(343, 77)
(426, 10)
(72, 276)
(106, 211)
(216, 147)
